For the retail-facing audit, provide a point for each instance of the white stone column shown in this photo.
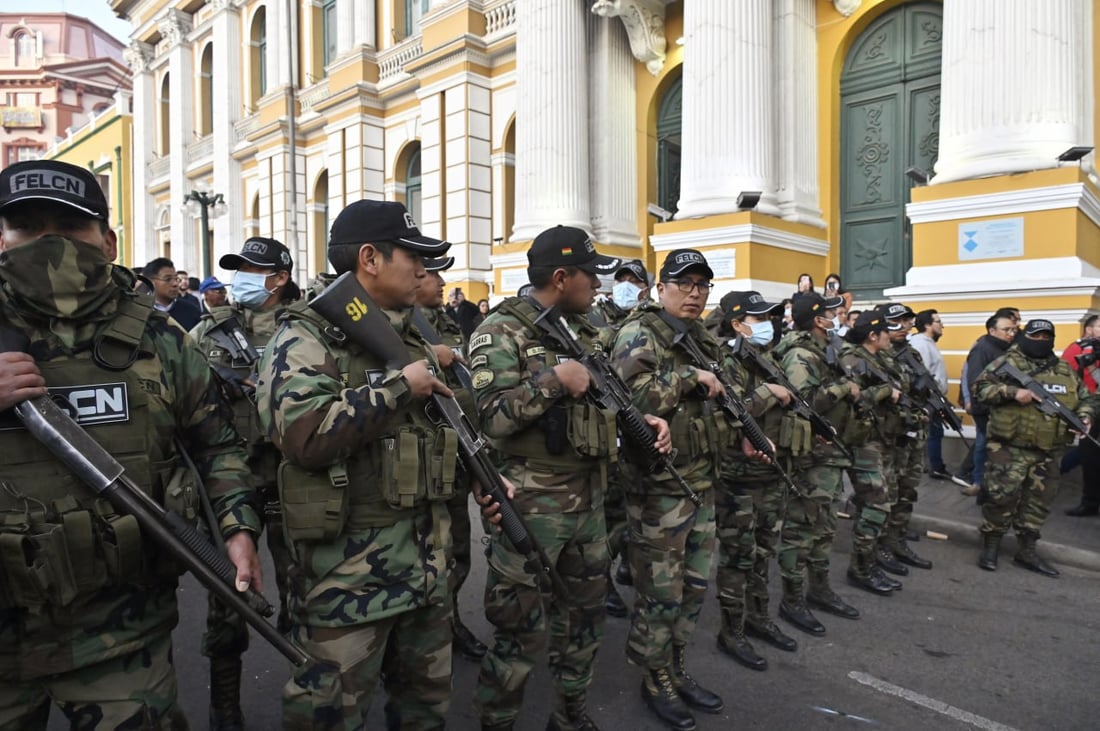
(174, 27)
(228, 60)
(728, 137)
(364, 23)
(796, 112)
(551, 117)
(278, 55)
(613, 176)
(1012, 85)
(345, 31)
(142, 239)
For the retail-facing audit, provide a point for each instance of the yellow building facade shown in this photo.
(911, 147)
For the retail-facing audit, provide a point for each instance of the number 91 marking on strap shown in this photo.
(356, 309)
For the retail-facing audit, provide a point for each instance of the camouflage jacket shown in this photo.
(664, 383)
(1024, 425)
(875, 405)
(906, 417)
(450, 334)
(533, 422)
(110, 597)
(329, 406)
(765, 408)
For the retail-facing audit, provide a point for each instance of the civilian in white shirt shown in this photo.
(929, 330)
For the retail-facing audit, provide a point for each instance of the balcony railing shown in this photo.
(391, 62)
(500, 16)
(244, 127)
(201, 149)
(311, 95)
(159, 168)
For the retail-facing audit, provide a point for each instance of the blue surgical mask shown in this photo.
(625, 294)
(249, 291)
(762, 333)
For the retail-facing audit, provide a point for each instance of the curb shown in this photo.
(968, 533)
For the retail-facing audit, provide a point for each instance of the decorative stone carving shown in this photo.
(645, 27)
(846, 7)
(137, 56)
(173, 26)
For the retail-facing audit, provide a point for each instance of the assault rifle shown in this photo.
(608, 391)
(750, 354)
(229, 335)
(1046, 402)
(732, 406)
(935, 404)
(89, 461)
(346, 305)
(458, 368)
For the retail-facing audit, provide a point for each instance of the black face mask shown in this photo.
(1001, 344)
(1036, 349)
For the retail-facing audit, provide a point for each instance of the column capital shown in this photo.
(173, 26)
(137, 55)
(645, 27)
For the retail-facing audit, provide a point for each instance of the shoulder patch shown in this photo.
(480, 341)
(479, 361)
(482, 378)
(534, 351)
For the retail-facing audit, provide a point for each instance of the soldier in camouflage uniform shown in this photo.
(87, 604)
(556, 448)
(671, 539)
(810, 523)
(1024, 444)
(429, 300)
(750, 499)
(365, 517)
(894, 551)
(262, 290)
(871, 472)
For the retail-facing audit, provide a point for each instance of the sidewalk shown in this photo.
(1070, 541)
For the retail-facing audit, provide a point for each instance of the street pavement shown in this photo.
(958, 648)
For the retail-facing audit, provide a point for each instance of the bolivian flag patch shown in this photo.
(567, 251)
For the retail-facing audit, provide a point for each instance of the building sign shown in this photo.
(723, 262)
(998, 239)
(512, 279)
(20, 117)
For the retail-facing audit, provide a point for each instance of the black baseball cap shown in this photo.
(51, 180)
(635, 267)
(563, 246)
(261, 252)
(1034, 327)
(811, 305)
(737, 304)
(364, 222)
(439, 264)
(871, 321)
(681, 260)
(896, 311)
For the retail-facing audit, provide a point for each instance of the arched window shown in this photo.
(258, 57)
(412, 185)
(668, 146)
(206, 90)
(328, 27)
(320, 221)
(25, 49)
(165, 111)
(509, 180)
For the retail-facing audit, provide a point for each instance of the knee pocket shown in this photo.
(582, 567)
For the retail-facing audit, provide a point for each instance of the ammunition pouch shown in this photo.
(694, 437)
(592, 431)
(554, 424)
(795, 435)
(315, 504)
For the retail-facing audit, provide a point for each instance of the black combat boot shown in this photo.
(906, 555)
(502, 726)
(575, 712)
(763, 628)
(693, 694)
(465, 643)
(885, 578)
(660, 695)
(622, 574)
(225, 693)
(821, 596)
(1083, 510)
(616, 607)
(861, 576)
(1029, 558)
(793, 609)
(884, 557)
(731, 640)
(991, 543)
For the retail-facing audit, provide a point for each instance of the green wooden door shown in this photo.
(890, 98)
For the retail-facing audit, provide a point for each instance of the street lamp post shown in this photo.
(206, 205)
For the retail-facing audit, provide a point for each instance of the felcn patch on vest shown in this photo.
(102, 403)
(480, 341)
(483, 378)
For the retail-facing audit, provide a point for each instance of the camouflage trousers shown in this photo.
(528, 622)
(671, 547)
(459, 509)
(410, 652)
(136, 690)
(810, 524)
(614, 512)
(1021, 486)
(908, 468)
(748, 522)
(873, 487)
(226, 631)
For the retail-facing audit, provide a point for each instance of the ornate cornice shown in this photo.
(645, 26)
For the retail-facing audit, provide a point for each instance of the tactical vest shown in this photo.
(852, 429)
(896, 419)
(866, 422)
(1023, 425)
(391, 479)
(585, 434)
(59, 541)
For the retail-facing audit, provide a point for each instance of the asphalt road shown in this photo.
(959, 648)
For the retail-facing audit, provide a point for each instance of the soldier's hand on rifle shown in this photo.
(1088, 425)
(444, 355)
(853, 390)
(490, 508)
(664, 435)
(19, 379)
(241, 549)
(753, 453)
(1023, 396)
(709, 381)
(781, 392)
(421, 381)
(574, 377)
(895, 395)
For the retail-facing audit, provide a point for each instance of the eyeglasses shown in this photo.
(687, 285)
(164, 279)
